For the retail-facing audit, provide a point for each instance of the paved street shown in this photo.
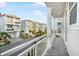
(13, 40)
(12, 45)
(59, 48)
(21, 50)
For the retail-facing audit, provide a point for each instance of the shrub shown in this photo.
(24, 35)
(4, 38)
(5, 35)
(5, 43)
(22, 30)
(40, 33)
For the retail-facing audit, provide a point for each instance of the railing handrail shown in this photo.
(30, 48)
(13, 50)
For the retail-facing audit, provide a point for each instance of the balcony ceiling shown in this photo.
(57, 8)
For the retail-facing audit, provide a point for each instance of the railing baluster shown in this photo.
(34, 52)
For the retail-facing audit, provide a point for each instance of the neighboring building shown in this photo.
(10, 24)
(31, 26)
(37, 26)
(27, 26)
(24, 26)
(40, 26)
(43, 27)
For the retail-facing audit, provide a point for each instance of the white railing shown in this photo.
(35, 47)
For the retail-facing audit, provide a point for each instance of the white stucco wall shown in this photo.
(73, 37)
(2, 24)
(73, 41)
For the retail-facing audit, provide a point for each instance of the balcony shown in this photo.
(9, 23)
(9, 29)
(17, 23)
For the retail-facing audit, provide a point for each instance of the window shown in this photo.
(10, 20)
(9, 26)
(73, 15)
(58, 23)
(59, 27)
(17, 26)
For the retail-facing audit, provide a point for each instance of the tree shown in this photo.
(30, 31)
(5, 36)
(45, 31)
(22, 30)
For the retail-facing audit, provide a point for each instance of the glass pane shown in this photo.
(73, 15)
(59, 27)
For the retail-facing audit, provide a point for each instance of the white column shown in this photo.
(49, 28)
(78, 13)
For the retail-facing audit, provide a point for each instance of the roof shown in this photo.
(10, 15)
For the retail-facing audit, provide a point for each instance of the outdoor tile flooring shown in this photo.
(58, 49)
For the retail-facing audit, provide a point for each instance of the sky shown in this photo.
(35, 11)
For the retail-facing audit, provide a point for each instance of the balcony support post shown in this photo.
(49, 28)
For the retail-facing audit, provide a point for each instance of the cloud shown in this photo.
(40, 14)
(35, 5)
(39, 4)
(37, 12)
(2, 4)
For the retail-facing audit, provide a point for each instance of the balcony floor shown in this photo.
(58, 49)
